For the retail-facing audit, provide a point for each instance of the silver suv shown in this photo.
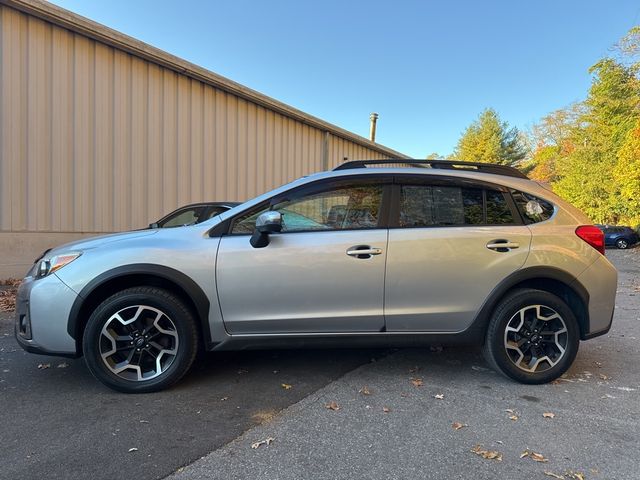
(403, 253)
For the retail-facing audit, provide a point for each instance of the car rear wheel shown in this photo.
(533, 337)
(621, 243)
(140, 340)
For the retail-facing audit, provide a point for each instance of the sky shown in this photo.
(427, 68)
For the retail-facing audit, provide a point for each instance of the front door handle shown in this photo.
(502, 245)
(363, 251)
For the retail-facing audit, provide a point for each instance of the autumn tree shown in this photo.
(490, 140)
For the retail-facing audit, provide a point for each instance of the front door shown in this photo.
(310, 278)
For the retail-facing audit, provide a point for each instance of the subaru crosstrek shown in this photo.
(405, 253)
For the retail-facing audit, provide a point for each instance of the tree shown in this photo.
(626, 175)
(490, 140)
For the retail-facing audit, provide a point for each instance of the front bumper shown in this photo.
(42, 313)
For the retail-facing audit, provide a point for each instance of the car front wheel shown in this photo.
(621, 243)
(139, 340)
(533, 337)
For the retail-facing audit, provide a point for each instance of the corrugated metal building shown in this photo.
(101, 133)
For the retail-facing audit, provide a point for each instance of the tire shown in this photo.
(622, 243)
(140, 340)
(546, 356)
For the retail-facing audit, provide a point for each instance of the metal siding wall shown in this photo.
(94, 139)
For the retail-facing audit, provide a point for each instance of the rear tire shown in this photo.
(533, 337)
(140, 340)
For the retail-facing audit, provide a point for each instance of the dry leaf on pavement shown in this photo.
(43, 366)
(488, 454)
(266, 441)
(286, 386)
(538, 457)
(62, 365)
(364, 391)
(417, 382)
(332, 406)
(439, 396)
(133, 450)
(553, 475)
(548, 415)
(386, 409)
(458, 425)
(575, 475)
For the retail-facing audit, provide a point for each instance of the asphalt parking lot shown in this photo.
(410, 413)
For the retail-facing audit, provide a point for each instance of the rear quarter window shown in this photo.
(533, 209)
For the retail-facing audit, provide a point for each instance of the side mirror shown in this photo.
(153, 225)
(266, 223)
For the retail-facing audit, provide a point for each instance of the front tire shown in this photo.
(533, 337)
(140, 340)
(622, 244)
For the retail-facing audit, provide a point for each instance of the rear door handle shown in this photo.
(363, 251)
(502, 245)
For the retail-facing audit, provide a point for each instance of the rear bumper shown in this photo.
(601, 282)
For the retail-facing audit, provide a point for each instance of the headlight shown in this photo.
(48, 266)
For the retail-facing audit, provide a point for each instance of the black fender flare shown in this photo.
(197, 297)
(537, 273)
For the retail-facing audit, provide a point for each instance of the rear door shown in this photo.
(451, 242)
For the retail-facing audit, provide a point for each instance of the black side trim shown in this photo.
(195, 293)
(481, 320)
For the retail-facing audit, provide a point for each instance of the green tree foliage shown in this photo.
(490, 140)
(627, 176)
(590, 152)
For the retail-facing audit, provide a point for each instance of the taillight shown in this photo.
(592, 235)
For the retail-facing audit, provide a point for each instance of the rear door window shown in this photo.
(452, 205)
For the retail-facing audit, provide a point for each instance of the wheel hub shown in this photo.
(138, 343)
(536, 338)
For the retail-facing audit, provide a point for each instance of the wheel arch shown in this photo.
(548, 279)
(127, 276)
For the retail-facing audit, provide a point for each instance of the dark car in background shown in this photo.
(192, 214)
(619, 236)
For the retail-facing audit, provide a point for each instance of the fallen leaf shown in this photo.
(44, 366)
(488, 454)
(133, 450)
(332, 406)
(364, 391)
(386, 409)
(439, 396)
(266, 441)
(62, 365)
(575, 475)
(458, 425)
(548, 415)
(417, 382)
(513, 417)
(286, 386)
(538, 457)
(604, 377)
(553, 475)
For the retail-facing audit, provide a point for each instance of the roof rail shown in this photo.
(443, 164)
